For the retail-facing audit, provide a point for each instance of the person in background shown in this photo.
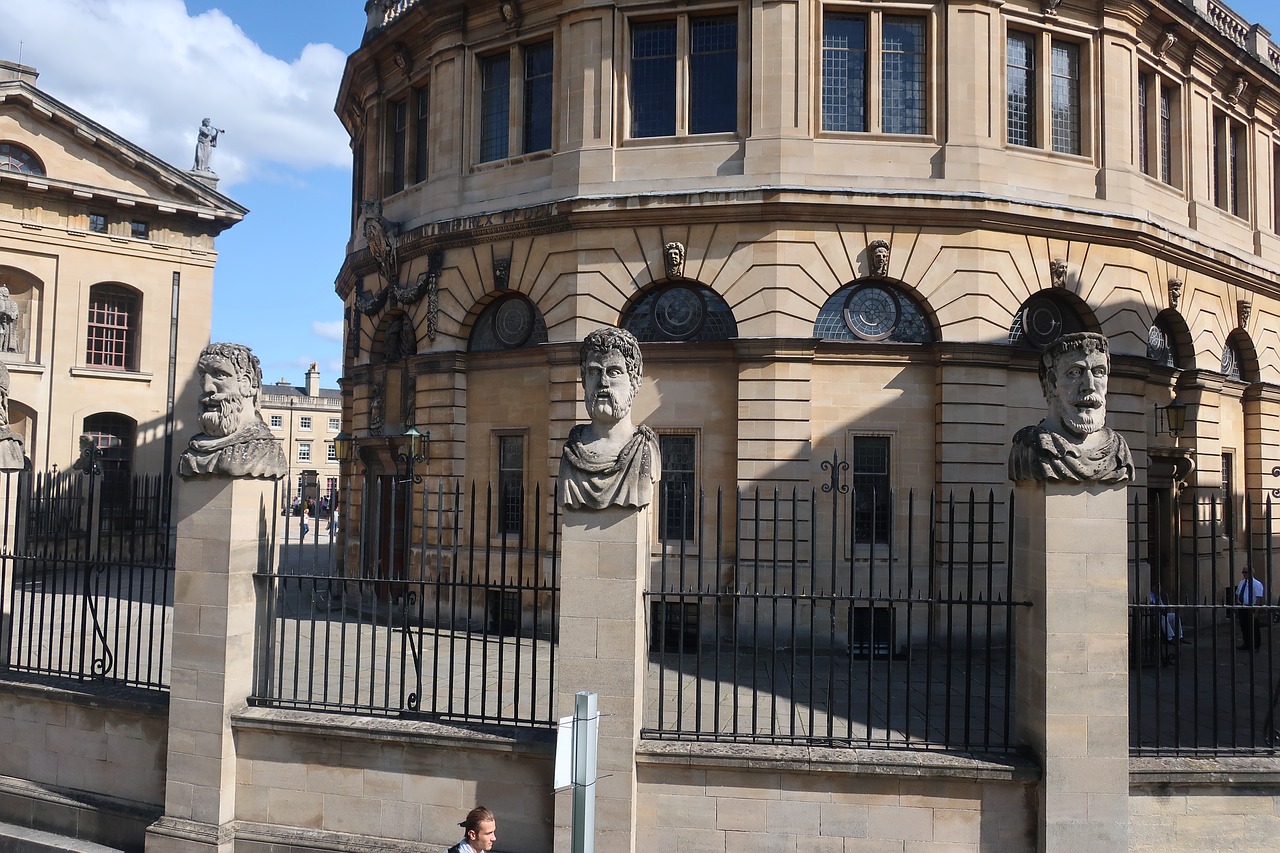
(480, 832)
(1249, 594)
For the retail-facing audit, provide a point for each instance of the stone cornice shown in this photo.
(940, 209)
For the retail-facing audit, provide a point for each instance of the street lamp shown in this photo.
(414, 452)
(1174, 417)
(343, 446)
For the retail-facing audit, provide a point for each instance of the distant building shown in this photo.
(108, 255)
(306, 418)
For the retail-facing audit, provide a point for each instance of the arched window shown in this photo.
(1231, 361)
(1042, 319)
(510, 322)
(112, 337)
(15, 158)
(873, 310)
(1168, 340)
(115, 436)
(683, 311)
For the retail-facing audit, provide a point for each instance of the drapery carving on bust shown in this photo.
(11, 444)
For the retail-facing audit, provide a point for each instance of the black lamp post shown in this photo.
(1174, 417)
(343, 446)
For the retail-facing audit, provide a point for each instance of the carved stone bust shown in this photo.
(1072, 443)
(11, 445)
(1058, 272)
(878, 258)
(609, 461)
(235, 441)
(673, 260)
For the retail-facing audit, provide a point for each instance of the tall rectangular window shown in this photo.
(1065, 96)
(653, 79)
(679, 487)
(1020, 83)
(422, 106)
(1144, 124)
(1166, 134)
(537, 96)
(871, 519)
(330, 452)
(304, 451)
(495, 106)
(713, 74)
(1230, 165)
(844, 72)
(397, 129)
(510, 483)
(902, 72)
(1226, 514)
(357, 181)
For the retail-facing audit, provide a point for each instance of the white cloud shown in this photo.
(150, 71)
(330, 331)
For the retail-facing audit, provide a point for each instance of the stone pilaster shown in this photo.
(222, 525)
(605, 557)
(1072, 661)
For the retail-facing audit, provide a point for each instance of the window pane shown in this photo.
(713, 75)
(420, 135)
(653, 79)
(1166, 134)
(1021, 85)
(871, 489)
(902, 76)
(1144, 159)
(510, 483)
(679, 487)
(537, 97)
(98, 223)
(495, 106)
(1066, 97)
(844, 72)
(111, 328)
(399, 113)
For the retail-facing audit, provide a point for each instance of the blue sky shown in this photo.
(268, 72)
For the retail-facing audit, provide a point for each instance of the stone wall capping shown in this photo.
(878, 762)
(402, 731)
(86, 694)
(1222, 770)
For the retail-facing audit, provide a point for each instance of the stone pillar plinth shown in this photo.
(604, 563)
(222, 528)
(1072, 660)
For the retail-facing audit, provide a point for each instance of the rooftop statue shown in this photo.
(235, 441)
(1072, 443)
(609, 461)
(206, 141)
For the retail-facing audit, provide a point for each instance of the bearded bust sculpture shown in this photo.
(234, 441)
(609, 461)
(1073, 443)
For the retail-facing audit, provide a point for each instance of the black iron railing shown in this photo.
(459, 629)
(813, 636)
(89, 572)
(1204, 664)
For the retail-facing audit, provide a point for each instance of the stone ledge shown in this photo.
(82, 815)
(871, 762)
(342, 726)
(1195, 772)
(254, 837)
(90, 694)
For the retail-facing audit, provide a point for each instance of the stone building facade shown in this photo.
(107, 254)
(306, 418)
(833, 228)
(840, 231)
